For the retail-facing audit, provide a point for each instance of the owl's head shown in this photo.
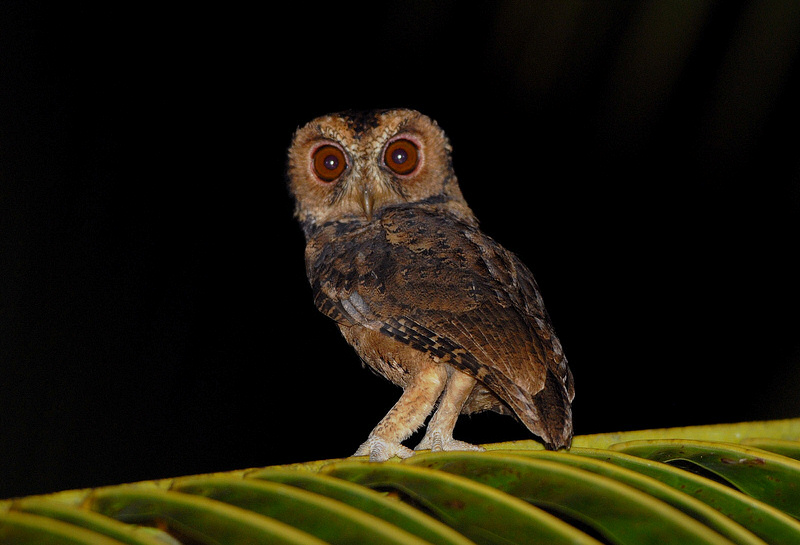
(350, 166)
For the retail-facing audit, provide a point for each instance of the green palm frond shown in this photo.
(719, 484)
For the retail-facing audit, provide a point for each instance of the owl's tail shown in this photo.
(547, 414)
(552, 414)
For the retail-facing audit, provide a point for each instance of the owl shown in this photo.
(396, 258)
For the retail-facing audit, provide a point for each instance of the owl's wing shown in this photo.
(449, 290)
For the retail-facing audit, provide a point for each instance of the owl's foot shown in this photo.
(436, 441)
(380, 450)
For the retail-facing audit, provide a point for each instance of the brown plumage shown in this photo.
(395, 257)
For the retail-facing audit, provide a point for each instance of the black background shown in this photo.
(155, 319)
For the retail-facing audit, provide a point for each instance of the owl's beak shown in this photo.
(367, 201)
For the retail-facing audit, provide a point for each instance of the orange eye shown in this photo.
(329, 163)
(402, 156)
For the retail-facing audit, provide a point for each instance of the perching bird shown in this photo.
(395, 257)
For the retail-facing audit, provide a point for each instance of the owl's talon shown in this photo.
(437, 441)
(380, 450)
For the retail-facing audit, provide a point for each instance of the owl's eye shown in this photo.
(401, 156)
(329, 163)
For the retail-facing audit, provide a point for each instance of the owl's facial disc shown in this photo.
(330, 164)
(364, 179)
(351, 166)
(399, 159)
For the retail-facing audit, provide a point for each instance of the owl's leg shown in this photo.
(439, 434)
(407, 415)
